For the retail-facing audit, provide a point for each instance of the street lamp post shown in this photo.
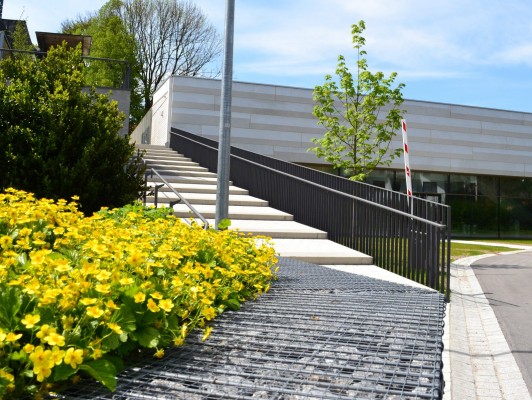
(224, 143)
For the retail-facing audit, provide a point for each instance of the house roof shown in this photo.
(45, 40)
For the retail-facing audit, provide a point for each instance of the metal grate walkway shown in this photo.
(318, 334)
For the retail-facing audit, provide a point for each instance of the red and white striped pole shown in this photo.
(408, 174)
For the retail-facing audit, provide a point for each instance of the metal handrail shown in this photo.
(381, 206)
(181, 198)
(415, 245)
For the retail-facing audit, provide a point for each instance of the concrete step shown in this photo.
(208, 211)
(199, 188)
(276, 229)
(320, 251)
(162, 153)
(247, 214)
(208, 198)
(163, 168)
(170, 161)
(186, 173)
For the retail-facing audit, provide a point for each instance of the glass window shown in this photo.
(463, 184)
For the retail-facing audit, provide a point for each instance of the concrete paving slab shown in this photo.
(479, 353)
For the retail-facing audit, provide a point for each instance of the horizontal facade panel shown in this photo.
(487, 167)
(442, 137)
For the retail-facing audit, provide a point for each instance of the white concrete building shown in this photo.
(461, 151)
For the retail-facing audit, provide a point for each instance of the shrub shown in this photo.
(77, 294)
(59, 139)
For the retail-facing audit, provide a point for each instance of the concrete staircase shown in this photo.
(247, 214)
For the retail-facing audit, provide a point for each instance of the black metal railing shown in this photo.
(414, 243)
(101, 72)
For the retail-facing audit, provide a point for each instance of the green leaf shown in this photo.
(125, 317)
(10, 303)
(103, 371)
(224, 224)
(63, 371)
(111, 342)
(147, 336)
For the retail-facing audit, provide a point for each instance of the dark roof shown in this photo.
(45, 40)
(9, 26)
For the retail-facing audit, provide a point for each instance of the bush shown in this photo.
(77, 294)
(59, 139)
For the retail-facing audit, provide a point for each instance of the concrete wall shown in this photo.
(278, 121)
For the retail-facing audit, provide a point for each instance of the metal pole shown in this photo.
(224, 143)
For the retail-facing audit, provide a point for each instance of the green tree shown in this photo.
(58, 140)
(358, 136)
(21, 38)
(111, 40)
(171, 37)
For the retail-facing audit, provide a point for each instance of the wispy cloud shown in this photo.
(465, 43)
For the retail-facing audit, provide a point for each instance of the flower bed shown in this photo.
(78, 294)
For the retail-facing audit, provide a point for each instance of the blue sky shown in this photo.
(472, 52)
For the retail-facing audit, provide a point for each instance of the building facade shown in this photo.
(477, 160)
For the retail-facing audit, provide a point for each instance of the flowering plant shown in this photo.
(78, 294)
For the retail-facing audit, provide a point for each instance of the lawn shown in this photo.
(462, 250)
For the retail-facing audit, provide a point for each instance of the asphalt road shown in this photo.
(507, 283)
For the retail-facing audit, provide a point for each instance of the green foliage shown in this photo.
(358, 137)
(110, 40)
(86, 295)
(21, 39)
(59, 140)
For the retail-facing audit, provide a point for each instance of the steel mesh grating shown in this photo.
(318, 334)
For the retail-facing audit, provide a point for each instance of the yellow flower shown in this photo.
(139, 297)
(111, 305)
(62, 265)
(159, 353)
(45, 331)
(94, 312)
(57, 355)
(206, 333)
(166, 305)
(179, 341)
(152, 306)
(42, 363)
(209, 313)
(156, 295)
(7, 375)
(97, 353)
(55, 339)
(12, 337)
(28, 348)
(126, 281)
(104, 275)
(87, 301)
(103, 288)
(73, 357)
(6, 242)
(115, 328)
(29, 321)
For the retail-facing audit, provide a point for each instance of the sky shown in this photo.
(470, 52)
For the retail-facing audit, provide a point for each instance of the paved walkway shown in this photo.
(481, 363)
(319, 333)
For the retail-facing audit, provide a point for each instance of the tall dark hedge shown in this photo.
(57, 139)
